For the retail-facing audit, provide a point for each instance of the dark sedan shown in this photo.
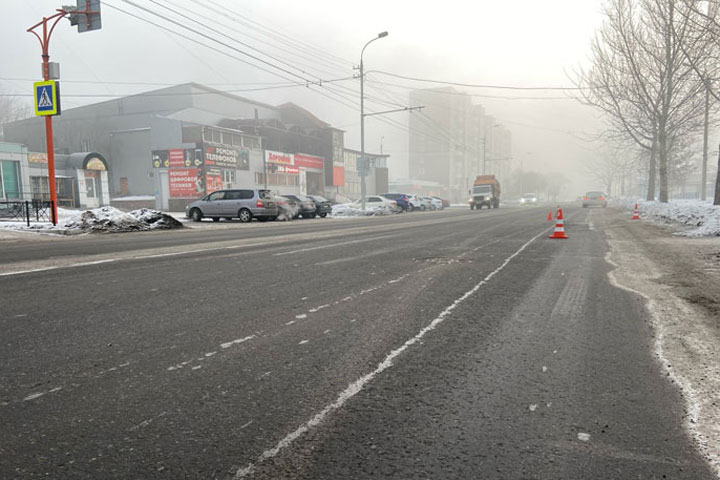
(322, 205)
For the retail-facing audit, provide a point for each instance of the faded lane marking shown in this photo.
(352, 242)
(358, 385)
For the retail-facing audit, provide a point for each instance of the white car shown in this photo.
(425, 203)
(435, 203)
(415, 201)
(376, 202)
(529, 199)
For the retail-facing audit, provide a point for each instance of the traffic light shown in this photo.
(86, 15)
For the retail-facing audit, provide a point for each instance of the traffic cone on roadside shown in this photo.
(636, 214)
(550, 216)
(559, 227)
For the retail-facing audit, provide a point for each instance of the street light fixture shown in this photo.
(363, 162)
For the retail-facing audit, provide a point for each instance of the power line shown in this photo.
(501, 87)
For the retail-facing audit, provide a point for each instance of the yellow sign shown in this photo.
(94, 164)
(47, 98)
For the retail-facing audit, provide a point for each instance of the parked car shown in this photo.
(415, 202)
(425, 203)
(529, 199)
(323, 206)
(306, 206)
(402, 200)
(243, 204)
(594, 199)
(373, 202)
(445, 202)
(435, 203)
(287, 209)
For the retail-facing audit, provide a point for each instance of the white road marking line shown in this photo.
(357, 386)
(236, 341)
(290, 322)
(583, 437)
(303, 342)
(301, 316)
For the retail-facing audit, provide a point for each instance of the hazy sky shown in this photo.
(515, 43)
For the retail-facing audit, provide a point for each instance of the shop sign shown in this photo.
(228, 157)
(37, 158)
(289, 169)
(185, 183)
(278, 157)
(94, 163)
(309, 161)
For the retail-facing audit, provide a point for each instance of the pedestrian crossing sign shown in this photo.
(47, 98)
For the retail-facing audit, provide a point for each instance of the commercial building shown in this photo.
(167, 147)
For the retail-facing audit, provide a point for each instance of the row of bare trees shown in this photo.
(654, 71)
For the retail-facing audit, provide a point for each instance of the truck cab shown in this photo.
(485, 192)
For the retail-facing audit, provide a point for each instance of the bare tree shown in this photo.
(640, 79)
(703, 55)
(11, 109)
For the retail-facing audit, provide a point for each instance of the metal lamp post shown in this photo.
(363, 163)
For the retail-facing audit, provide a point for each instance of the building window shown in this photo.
(228, 176)
(9, 179)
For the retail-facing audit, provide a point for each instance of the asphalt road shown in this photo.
(449, 345)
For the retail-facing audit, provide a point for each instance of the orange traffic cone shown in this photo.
(636, 215)
(550, 216)
(559, 228)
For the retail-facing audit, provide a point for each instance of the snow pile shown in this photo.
(354, 210)
(702, 217)
(111, 220)
(102, 220)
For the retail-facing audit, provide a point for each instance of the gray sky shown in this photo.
(518, 43)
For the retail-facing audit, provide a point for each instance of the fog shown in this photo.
(523, 43)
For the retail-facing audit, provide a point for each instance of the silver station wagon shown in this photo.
(243, 204)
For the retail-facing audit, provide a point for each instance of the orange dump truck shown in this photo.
(485, 192)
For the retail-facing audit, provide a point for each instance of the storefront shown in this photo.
(81, 179)
(12, 158)
(311, 173)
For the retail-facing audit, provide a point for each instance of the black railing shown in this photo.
(27, 211)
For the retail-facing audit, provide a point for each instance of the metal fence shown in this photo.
(27, 211)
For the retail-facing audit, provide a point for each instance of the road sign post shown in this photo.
(47, 95)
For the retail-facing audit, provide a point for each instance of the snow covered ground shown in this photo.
(99, 220)
(351, 210)
(691, 218)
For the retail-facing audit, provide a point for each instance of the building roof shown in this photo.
(296, 115)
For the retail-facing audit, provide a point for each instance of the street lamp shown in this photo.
(363, 163)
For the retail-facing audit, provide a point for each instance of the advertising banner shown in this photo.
(278, 157)
(338, 176)
(309, 161)
(176, 158)
(227, 157)
(213, 180)
(185, 183)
